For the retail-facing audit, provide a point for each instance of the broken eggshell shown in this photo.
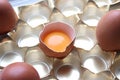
(60, 27)
(8, 17)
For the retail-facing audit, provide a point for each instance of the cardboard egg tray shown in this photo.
(87, 61)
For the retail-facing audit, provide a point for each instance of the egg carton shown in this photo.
(87, 61)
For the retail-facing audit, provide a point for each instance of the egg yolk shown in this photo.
(57, 41)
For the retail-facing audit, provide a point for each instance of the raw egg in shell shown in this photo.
(57, 39)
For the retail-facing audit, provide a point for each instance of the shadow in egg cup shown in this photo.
(10, 53)
(70, 7)
(35, 14)
(105, 75)
(115, 6)
(62, 28)
(115, 68)
(85, 37)
(68, 68)
(25, 36)
(4, 37)
(49, 78)
(92, 14)
(39, 61)
(96, 60)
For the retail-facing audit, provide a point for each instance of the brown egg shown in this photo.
(108, 31)
(19, 71)
(8, 17)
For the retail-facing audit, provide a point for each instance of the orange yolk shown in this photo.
(57, 41)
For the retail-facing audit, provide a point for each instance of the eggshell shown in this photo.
(8, 17)
(19, 71)
(108, 31)
(57, 26)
